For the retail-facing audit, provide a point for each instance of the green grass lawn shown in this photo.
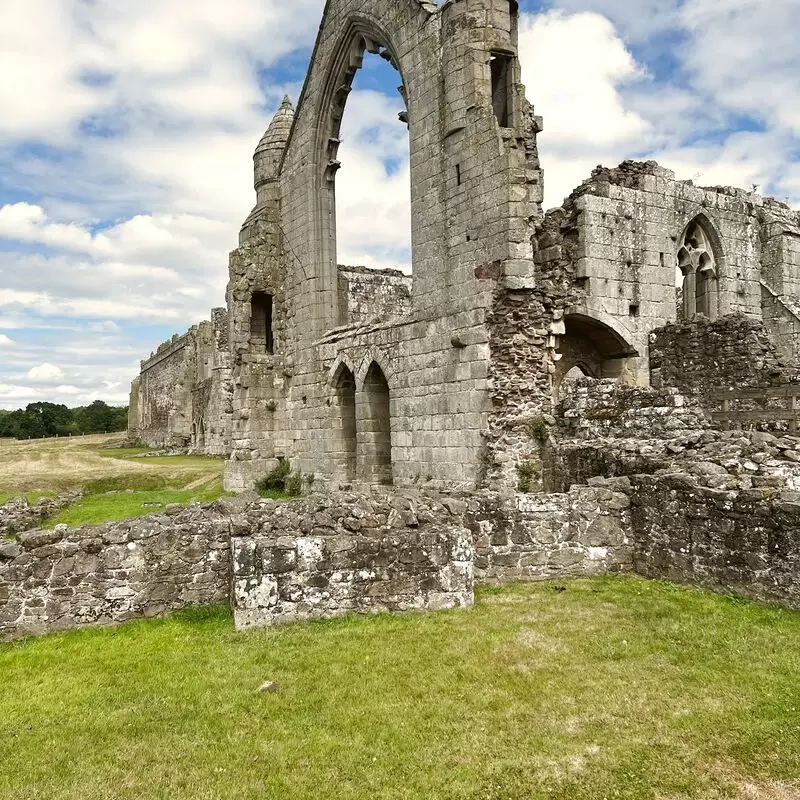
(161, 481)
(117, 483)
(94, 509)
(581, 690)
(31, 497)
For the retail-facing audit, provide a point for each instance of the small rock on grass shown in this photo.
(270, 687)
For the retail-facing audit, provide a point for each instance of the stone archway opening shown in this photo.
(374, 428)
(344, 425)
(589, 348)
(365, 197)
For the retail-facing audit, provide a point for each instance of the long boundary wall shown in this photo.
(329, 555)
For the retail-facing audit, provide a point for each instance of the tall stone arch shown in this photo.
(467, 116)
(405, 33)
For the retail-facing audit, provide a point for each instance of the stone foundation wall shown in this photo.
(744, 541)
(586, 531)
(325, 557)
(66, 578)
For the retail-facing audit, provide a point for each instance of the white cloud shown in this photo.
(573, 67)
(373, 204)
(106, 326)
(743, 55)
(640, 20)
(5, 341)
(11, 392)
(45, 373)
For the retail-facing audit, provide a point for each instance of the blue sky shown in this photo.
(128, 129)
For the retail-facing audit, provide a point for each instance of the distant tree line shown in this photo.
(41, 420)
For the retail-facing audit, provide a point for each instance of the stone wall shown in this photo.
(367, 295)
(742, 541)
(603, 408)
(329, 556)
(65, 578)
(586, 531)
(164, 389)
(704, 357)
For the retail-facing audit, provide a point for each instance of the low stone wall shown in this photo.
(586, 531)
(704, 357)
(591, 409)
(720, 516)
(66, 578)
(745, 541)
(328, 556)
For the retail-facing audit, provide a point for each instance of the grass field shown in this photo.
(118, 484)
(584, 690)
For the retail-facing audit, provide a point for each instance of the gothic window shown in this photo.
(375, 430)
(698, 268)
(345, 424)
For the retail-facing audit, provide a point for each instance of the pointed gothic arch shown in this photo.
(699, 259)
(373, 414)
(362, 35)
(344, 425)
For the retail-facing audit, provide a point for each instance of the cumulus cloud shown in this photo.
(45, 373)
(5, 341)
(125, 165)
(573, 67)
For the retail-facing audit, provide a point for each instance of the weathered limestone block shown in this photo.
(407, 554)
(583, 532)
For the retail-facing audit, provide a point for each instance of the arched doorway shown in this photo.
(374, 428)
(589, 348)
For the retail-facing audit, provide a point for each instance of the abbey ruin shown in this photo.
(609, 385)
(359, 375)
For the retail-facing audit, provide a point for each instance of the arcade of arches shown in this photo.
(363, 444)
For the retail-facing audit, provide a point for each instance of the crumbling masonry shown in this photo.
(360, 375)
(621, 334)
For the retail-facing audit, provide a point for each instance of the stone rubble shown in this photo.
(17, 514)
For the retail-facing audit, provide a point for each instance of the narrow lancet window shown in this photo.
(502, 69)
(262, 339)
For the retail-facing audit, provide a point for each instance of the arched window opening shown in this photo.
(375, 430)
(591, 349)
(369, 168)
(344, 424)
(697, 266)
(262, 339)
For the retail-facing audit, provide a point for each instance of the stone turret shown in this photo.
(267, 158)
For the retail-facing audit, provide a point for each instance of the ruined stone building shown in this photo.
(437, 379)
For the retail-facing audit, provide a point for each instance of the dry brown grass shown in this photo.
(52, 465)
